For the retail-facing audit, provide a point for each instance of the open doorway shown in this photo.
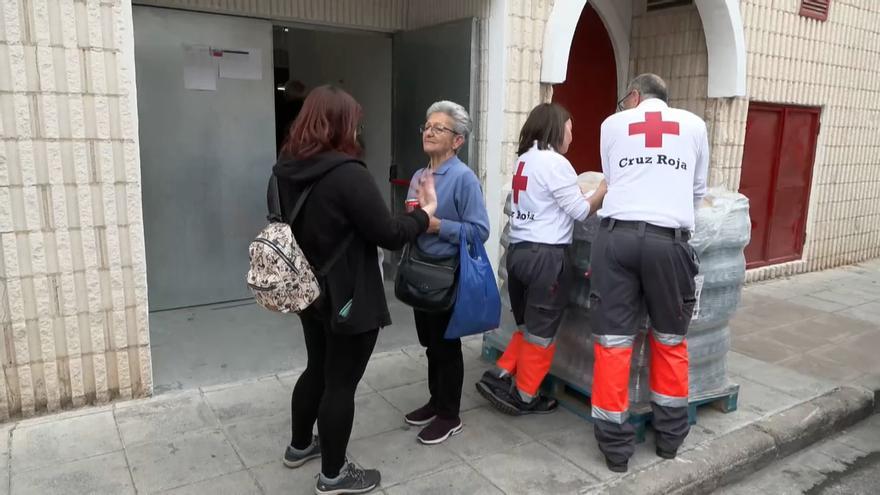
(206, 156)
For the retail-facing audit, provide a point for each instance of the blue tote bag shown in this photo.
(478, 303)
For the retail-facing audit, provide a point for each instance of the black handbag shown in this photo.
(425, 282)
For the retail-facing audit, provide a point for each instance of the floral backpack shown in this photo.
(280, 276)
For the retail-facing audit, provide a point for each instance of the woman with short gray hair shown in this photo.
(461, 210)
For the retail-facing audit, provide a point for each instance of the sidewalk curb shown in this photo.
(872, 383)
(736, 454)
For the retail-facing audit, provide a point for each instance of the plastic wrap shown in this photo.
(722, 231)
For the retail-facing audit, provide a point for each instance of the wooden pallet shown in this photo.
(576, 398)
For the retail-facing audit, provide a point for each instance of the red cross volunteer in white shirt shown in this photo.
(545, 202)
(655, 159)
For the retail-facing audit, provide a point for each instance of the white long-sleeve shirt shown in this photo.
(546, 198)
(656, 162)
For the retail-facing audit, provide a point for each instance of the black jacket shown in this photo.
(345, 199)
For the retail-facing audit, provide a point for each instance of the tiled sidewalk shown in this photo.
(229, 439)
(824, 324)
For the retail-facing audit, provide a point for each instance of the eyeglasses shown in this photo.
(620, 101)
(435, 129)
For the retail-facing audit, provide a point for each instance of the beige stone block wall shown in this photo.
(526, 21)
(73, 305)
(832, 65)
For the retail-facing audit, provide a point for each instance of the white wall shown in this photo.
(360, 64)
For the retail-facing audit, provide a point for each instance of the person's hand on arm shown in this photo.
(427, 195)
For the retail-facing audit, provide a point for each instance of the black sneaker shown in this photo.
(666, 454)
(294, 460)
(509, 401)
(421, 416)
(439, 430)
(354, 480)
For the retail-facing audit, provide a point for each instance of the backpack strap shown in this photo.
(273, 198)
(337, 255)
(300, 202)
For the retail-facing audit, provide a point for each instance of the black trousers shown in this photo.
(325, 391)
(445, 363)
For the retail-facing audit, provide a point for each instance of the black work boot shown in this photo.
(666, 454)
(509, 401)
(617, 467)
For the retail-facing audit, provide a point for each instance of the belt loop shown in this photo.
(611, 224)
(677, 235)
(642, 227)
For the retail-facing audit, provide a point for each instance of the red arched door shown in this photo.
(590, 89)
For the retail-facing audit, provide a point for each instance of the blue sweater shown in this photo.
(459, 203)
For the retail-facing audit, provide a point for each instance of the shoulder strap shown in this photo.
(337, 255)
(273, 198)
(300, 202)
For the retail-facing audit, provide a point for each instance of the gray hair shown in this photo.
(462, 121)
(649, 86)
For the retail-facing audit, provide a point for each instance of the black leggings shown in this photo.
(325, 391)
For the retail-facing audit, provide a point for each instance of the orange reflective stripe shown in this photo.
(533, 365)
(507, 361)
(669, 368)
(611, 378)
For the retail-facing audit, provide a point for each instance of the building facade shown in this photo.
(74, 296)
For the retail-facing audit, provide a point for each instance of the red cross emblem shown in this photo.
(520, 182)
(654, 127)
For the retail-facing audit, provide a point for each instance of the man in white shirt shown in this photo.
(655, 160)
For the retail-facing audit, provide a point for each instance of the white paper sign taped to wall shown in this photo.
(240, 63)
(199, 68)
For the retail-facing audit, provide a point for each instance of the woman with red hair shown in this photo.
(342, 220)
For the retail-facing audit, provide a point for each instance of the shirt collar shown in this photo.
(444, 167)
(652, 104)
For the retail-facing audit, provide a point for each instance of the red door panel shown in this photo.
(777, 171)
(792, 192)
(589, 92)
(759, 157)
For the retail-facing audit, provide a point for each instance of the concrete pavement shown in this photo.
(229, 438)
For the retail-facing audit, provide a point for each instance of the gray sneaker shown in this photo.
(352, 480)
(292, 459)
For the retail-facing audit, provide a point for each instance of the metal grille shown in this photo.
(815, 9)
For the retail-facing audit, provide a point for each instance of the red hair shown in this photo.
(328, 121)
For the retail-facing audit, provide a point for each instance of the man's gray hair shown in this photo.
(649, 86)
(462, 121)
